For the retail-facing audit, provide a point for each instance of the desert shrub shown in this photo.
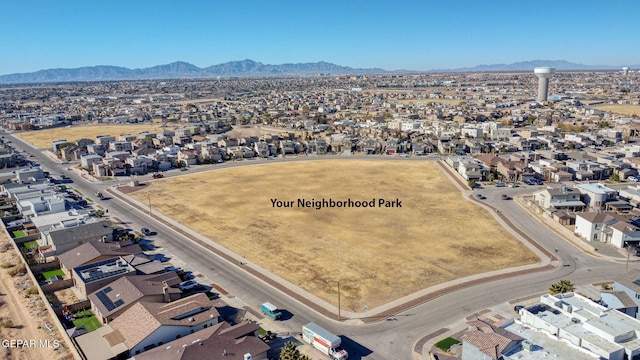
(6, 323)
(7, 265)
(31, 291)
(17, 271)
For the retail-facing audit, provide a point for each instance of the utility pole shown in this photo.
(339, 315)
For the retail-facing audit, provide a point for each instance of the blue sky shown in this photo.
(412, 35)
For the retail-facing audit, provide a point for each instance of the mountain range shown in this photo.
(182, 70)
(250, 68)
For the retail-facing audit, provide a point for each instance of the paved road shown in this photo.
(394, 337)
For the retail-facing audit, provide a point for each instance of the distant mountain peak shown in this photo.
(181, 69)
(561, 65)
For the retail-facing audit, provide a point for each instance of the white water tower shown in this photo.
(543, 74)
(625, 71)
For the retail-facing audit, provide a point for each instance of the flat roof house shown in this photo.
(604, 332)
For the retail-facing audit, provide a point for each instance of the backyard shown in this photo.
(378, 254)
(86, 319)
(49, 274)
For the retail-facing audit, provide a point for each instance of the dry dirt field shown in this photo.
(378, 254)
(42, 138)
(24, 315)
(426, 101)
(621, 109)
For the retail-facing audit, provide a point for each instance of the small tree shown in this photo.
(561, 287)
(472, 184)
(289, 351)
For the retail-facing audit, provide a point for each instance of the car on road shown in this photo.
(145, 231)
(513, 185)
(157, 176)
(184, 169)
(480, 196)
(501, 184)
(505, 197)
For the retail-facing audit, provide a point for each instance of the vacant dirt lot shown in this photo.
(42, 138)
(378, 254)
(621, 109)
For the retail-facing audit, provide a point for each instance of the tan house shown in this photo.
(108, 302)
(146, 325)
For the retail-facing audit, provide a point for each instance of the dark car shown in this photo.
(157, 176)
(145, 231)
(505, 197)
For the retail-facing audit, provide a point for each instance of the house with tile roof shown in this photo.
(146, 325)
(219, 342)
(108, 302)
(483, 340)
(66, 235)
(629, 283)
(93, 252)
(607, 227)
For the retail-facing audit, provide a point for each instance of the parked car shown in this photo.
(145, 231)
(188, 285)
(505, 197)
(633, 178)
(479, 196)
(513, 185)
(157, 176)
(501, 184)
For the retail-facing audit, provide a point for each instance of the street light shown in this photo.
(338, 282)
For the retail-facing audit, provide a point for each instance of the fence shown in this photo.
(57, 285)
(51, 265)
(58, 325)
(79, 306)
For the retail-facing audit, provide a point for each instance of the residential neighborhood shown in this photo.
(118, 296)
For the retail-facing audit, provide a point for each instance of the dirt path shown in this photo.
(27, 338)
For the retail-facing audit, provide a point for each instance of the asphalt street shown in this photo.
(390, 338)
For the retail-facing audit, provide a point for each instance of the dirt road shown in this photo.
(23, 333)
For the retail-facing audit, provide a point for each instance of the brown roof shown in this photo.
(211, 344)
(132, 288)
(630, 280)
(90, 251)
(144, 318)
(489, 339)
(600, 217)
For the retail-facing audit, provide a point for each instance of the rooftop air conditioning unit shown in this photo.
(527, 345)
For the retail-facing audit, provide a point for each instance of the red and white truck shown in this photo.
(324, 341)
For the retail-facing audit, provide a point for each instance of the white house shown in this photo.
(607, 227)
(601, 331)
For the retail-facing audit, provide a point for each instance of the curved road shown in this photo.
(391, 338)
